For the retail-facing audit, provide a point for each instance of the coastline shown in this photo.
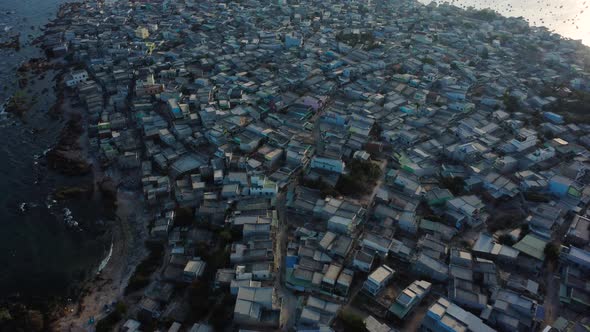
(127, 232)
(74, 154)
(104, 284)
(104, 289)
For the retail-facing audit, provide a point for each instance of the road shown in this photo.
(551, 277)
(288, 299)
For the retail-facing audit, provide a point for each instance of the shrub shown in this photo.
(142, 274)
(108, 323)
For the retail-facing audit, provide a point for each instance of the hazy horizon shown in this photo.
(569, 18)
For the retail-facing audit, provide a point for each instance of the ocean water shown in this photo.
(26, 17)
(569, 18)
(40, 255)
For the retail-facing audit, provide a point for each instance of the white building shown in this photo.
(76, 78)
(524, 140)
(378, 279)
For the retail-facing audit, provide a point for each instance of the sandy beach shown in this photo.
(129, 233)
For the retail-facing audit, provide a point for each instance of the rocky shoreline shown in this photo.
(70, 157)
(13, 43)
(67, 156)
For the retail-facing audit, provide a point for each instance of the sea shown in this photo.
(46, 246)
(569, 18)
(40, 253)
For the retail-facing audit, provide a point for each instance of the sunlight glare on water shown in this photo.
(569, 18)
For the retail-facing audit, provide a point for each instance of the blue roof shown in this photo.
(290, 261)
(540, 314)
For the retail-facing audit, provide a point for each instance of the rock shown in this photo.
(73, 192)
(69, 162)
(35, 320)
(66, 157)
(108, 188)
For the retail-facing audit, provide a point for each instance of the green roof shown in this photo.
(532, 246)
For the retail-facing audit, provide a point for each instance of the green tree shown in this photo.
(454, 184)
(511, 103)
(551, 252)
(352, 322)
(506, 239)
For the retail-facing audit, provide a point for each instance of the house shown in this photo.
(341, 225)
(373, 325)
(439, 229)
(400, 251)
(256, 306)
(142, 33)
(444, 315)
(407, 222)
(578, 233)
(469, 210)
(193, 270)
(376, 243)
(433, 247)
(148, 309)
(560, 185)
(344, 282)
(499, 186)
(378, 279)
(438, 196)
(512, 311)
(404, 182)
(577, 258)
(263, 186)
(532, 246)
(463, 291)
(330, 278)
(524, 140)
(573, 291)
(230, 191)
(175, 327)
(292, 40)
(544, 219)
(76, 77)
(131, 325)
(485, 246)
(429, 267)
(328, 164)
(409, 298)
(317, 313)
(200, 327)
(363, 260)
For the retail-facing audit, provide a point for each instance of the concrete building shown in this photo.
(378, 279)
